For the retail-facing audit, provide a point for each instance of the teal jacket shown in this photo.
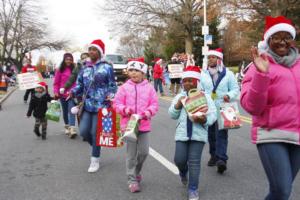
(199, 132)
(228, 86)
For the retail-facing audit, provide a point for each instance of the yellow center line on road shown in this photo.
(243, 118)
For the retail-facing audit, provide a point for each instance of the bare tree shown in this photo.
(21, 31)
(131, 46)
(144, 15)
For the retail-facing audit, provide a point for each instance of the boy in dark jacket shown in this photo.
(38, 105)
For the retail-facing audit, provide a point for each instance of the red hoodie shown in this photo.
(157, 72)
(28, 68)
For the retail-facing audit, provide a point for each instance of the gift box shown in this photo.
(228, 116)
(108, 128)
(53, 112)
(195, 102)
(131, 130)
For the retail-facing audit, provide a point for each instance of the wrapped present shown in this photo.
(228, 116)
(108, 128)
(53, 112)
(195, 103)
(130, 133)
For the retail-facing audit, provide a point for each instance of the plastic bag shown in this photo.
(53, 112)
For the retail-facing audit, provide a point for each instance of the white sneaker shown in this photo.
(72, 133)
(95, 164)
(67, 130)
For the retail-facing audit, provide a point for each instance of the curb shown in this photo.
(7, 95)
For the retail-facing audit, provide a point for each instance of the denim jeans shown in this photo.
(218, 142)
(69, 118)
(281, 162)
(188, 159)
(88, 128)
(158, 83)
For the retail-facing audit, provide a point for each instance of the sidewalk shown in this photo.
(4, 96)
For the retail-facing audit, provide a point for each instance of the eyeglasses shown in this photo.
(278, 39)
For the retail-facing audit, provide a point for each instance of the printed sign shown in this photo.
(29, 80)
(175, 70)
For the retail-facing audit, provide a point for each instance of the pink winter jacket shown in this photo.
(273, 99)
(60, 79)
(139, 97)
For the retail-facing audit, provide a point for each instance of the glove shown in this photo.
(61, 90)
(128, 111)
(146, 115)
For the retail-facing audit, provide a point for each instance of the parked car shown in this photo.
(120, 66)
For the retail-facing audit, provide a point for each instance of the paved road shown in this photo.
(56, 169)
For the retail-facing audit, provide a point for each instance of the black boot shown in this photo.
(44, 136)
(212, 161)
(221, 165)
(37, 131)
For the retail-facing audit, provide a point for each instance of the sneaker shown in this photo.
(184, 180)
(67, 130)
(95, 164)
(37, 131)
(44, 136)
(25, 101)
(139, 178)
(72, 132)
(212, 161)
(193, 195)
(221, 165)
(134, 187)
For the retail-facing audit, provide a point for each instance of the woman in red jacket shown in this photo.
(158, 76)
(25, 69)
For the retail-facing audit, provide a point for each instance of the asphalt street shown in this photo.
(56, 169)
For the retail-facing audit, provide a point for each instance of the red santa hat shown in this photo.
(277, 24)
(42, 85)
(216, 52)
(137, 64)
(157, 60)
(191, 72)
(99, 45)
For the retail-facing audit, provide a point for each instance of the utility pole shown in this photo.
(205, 32)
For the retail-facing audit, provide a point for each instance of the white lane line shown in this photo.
(170, 166)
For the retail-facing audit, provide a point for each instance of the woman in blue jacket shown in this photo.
(97, 82)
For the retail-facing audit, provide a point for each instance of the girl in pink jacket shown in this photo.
(136, 96)
(271, 93)
(62, 75)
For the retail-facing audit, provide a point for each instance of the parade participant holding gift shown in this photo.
(136, 96)
(223, 87)
(191, 130)
(270, 92)
(96, 81)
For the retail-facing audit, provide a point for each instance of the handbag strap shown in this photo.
(90, 85)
